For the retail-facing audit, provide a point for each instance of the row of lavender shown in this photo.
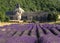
(30, 33)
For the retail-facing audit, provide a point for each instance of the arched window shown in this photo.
(24, 18)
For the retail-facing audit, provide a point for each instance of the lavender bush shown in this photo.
(30, 33)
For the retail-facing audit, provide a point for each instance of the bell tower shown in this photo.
(18, 11)
(17, 5)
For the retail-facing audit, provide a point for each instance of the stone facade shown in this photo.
(39, 16)
(16, 13)
(19, 14)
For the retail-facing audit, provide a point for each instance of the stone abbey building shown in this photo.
(16, 13)
(19, 14)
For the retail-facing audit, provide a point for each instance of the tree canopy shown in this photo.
(30, 5)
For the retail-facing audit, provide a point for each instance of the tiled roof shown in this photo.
(35, 13)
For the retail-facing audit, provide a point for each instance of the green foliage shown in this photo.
(6, 19)
(52, 16)
(49, 18)
(24, 20)
(55, 17)
(29, 5)
(3, 17)
(33, 21)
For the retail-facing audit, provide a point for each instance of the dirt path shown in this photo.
(5, 23)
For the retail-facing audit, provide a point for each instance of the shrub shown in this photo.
(24, 20)
(52, 17)
(33, 21)
(55, 17)
(6, 19)
(49, 17)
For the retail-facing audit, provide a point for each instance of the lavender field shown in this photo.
(30, 33)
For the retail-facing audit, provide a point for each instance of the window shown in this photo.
(11, 18)
(24, 17)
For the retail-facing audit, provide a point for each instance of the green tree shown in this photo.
(50, 17)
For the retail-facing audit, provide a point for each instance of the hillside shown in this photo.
(29, 5)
